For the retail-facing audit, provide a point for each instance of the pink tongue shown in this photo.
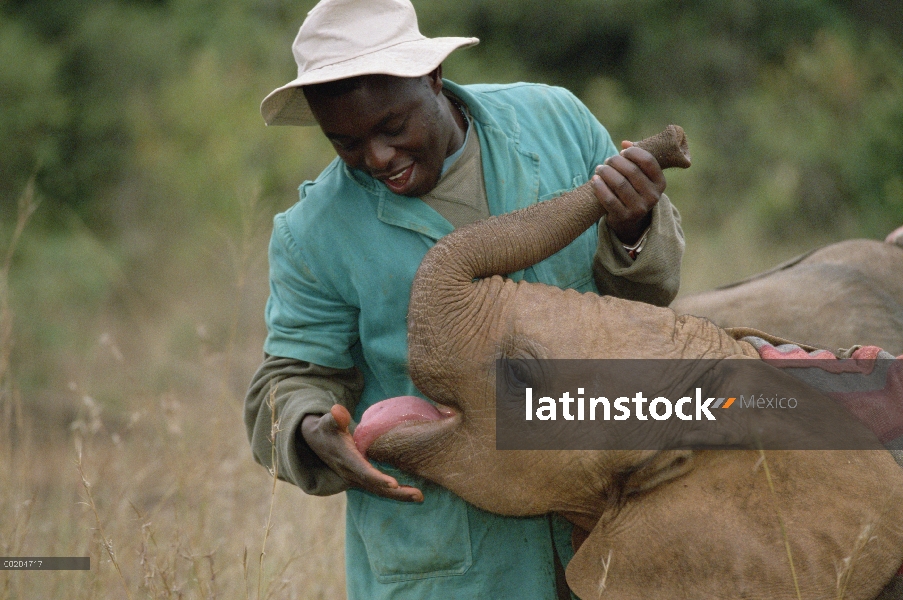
(383, 416)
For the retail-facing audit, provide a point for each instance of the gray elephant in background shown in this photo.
(833, 297)
(678, 524)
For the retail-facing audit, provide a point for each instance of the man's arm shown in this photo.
(299, 389)
(654, 275)
(631, 187)
(313, 443)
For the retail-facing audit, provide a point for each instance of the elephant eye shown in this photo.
(520, 365)
(518, 374)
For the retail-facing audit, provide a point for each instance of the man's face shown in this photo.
(397, 130)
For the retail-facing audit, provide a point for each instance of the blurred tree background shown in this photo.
(139, 122)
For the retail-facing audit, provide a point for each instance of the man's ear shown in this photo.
(435, 79)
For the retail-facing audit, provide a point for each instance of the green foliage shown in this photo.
(32, 111)
(154, 169)
(61, 282)
(693, 49)
(137, 111)
(828, 124)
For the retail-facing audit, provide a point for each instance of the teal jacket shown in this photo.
(341, 265)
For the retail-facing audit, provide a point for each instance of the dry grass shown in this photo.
(152, 475)
(135, 453)
(171, 510)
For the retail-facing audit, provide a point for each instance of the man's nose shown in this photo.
(378, 156)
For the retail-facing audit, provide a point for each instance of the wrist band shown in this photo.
(635, 249)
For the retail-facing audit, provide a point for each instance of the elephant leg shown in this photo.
(753, 525)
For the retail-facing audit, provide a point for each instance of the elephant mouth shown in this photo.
(389, 414)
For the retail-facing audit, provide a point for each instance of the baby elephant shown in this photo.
(669, 524)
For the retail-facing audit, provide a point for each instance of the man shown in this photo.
(417, 157)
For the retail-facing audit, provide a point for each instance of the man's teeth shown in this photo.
(397, 177)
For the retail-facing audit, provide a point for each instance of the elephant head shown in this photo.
(669, 524)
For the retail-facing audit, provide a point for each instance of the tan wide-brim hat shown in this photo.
(346, 38)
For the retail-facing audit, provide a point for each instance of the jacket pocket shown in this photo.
(576, 181)
(412, 541)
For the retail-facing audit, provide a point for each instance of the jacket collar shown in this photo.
(511, 173)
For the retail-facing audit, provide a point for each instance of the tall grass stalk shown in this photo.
(242, 253)
(867, 535)
(796, 584)
(11, 413)
(106, 543)
(15, 546)
(274, 472)
(848, 564)
(26, 207)
(10, 402)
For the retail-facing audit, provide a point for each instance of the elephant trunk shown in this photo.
(522, 238)
(444, 287)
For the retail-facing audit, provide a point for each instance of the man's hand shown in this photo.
(329, 438)
(628, 185)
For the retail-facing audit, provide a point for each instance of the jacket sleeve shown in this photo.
(654, 277)
(296, 389)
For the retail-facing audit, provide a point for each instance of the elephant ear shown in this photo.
(778, 525)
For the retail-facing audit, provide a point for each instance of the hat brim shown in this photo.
(287, 106)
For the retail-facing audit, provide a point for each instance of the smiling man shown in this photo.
(397, 130)
(417, 157)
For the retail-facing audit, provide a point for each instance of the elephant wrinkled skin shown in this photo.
(834, 297)
(673, 524)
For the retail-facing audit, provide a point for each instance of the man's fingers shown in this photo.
(647, 163)
(629, 185)
(377, 482)
(624, 202)
(617, 181)
(628, 210)
(409, 494)
(369, 478)
(341, 415)
(357, 470)
(640, 169)
(403, 493)
(329, 438)
(605, 196)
